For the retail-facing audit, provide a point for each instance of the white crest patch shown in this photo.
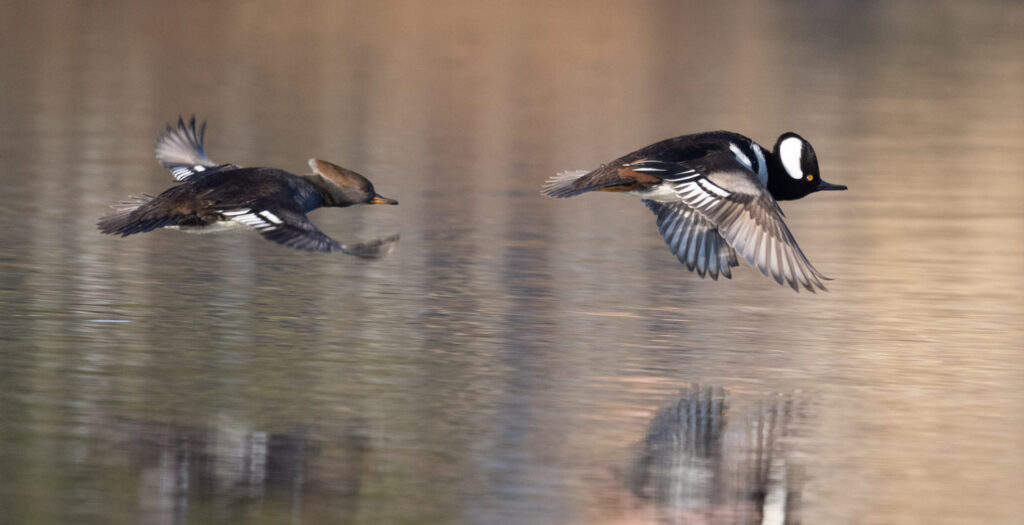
(789, 153)
(741, 157)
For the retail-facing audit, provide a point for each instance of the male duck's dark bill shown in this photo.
(823, 186)
(378, 199)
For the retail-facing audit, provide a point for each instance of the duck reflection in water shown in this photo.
(228, 470)
(704, 462)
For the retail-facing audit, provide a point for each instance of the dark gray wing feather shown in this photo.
(693, 239)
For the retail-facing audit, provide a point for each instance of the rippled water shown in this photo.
(517, 359)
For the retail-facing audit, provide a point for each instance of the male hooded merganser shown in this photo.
(714, 195)
(213, 197)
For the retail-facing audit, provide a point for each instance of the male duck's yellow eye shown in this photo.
(810, 177)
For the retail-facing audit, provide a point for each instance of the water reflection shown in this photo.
(475, 374)
(705, 461)
(232, 469)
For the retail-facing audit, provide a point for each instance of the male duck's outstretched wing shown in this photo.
(729, 196)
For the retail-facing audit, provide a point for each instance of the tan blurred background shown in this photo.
(517, 359)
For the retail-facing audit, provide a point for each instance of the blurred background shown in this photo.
(517, 359)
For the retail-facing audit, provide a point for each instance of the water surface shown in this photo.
(517, 359)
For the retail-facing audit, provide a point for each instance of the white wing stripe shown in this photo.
(762, 165)
(741, 157)
(684, 176)
(254, 220)
(710, 186)
(271, 217)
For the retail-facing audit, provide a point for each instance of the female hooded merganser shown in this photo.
(714, 195)
(214, 197)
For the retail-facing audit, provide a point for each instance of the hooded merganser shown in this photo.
(214, 197)
(714, 195)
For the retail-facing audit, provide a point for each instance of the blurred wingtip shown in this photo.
(374, 249)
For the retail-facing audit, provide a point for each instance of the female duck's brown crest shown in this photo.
(335, 173)
(349, 187)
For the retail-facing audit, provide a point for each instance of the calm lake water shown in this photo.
(517, 359)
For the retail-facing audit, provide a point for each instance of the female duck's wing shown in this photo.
(180, 150)
(284, 226)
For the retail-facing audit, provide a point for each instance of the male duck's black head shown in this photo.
(344, 187)
(794, 172)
